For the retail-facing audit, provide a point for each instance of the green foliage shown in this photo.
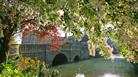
(98, 29)
(93, 15)
(26, 67)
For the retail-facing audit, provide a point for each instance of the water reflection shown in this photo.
(80, 75)
(97, 67)
(109, 75)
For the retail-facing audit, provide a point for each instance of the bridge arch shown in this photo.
(76, 58)
(59, 59)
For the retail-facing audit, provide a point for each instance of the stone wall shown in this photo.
(33, 47)
(42, 52)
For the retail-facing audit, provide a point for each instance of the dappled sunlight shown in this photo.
(109, 75)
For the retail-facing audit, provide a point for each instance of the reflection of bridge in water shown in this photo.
(70, 52)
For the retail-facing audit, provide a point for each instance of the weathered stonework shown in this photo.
(41, 51)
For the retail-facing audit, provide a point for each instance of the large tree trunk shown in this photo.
(4, 47)
(7, 33)
(2, 55)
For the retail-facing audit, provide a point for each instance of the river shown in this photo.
(98, 67)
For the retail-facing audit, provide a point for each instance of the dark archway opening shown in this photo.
(59, 59)
(76, 59)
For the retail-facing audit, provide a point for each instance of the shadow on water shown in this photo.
(98, 67)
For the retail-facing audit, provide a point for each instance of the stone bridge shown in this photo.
(68, 53)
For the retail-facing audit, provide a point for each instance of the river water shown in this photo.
(98, 67)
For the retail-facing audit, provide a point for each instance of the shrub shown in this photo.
(26, 67)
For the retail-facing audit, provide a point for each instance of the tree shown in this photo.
(16, 16)
(92, 15)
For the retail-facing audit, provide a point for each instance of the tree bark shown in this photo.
(4, 47)
(7, 32)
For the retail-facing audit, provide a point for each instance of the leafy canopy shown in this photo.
(94, 16)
